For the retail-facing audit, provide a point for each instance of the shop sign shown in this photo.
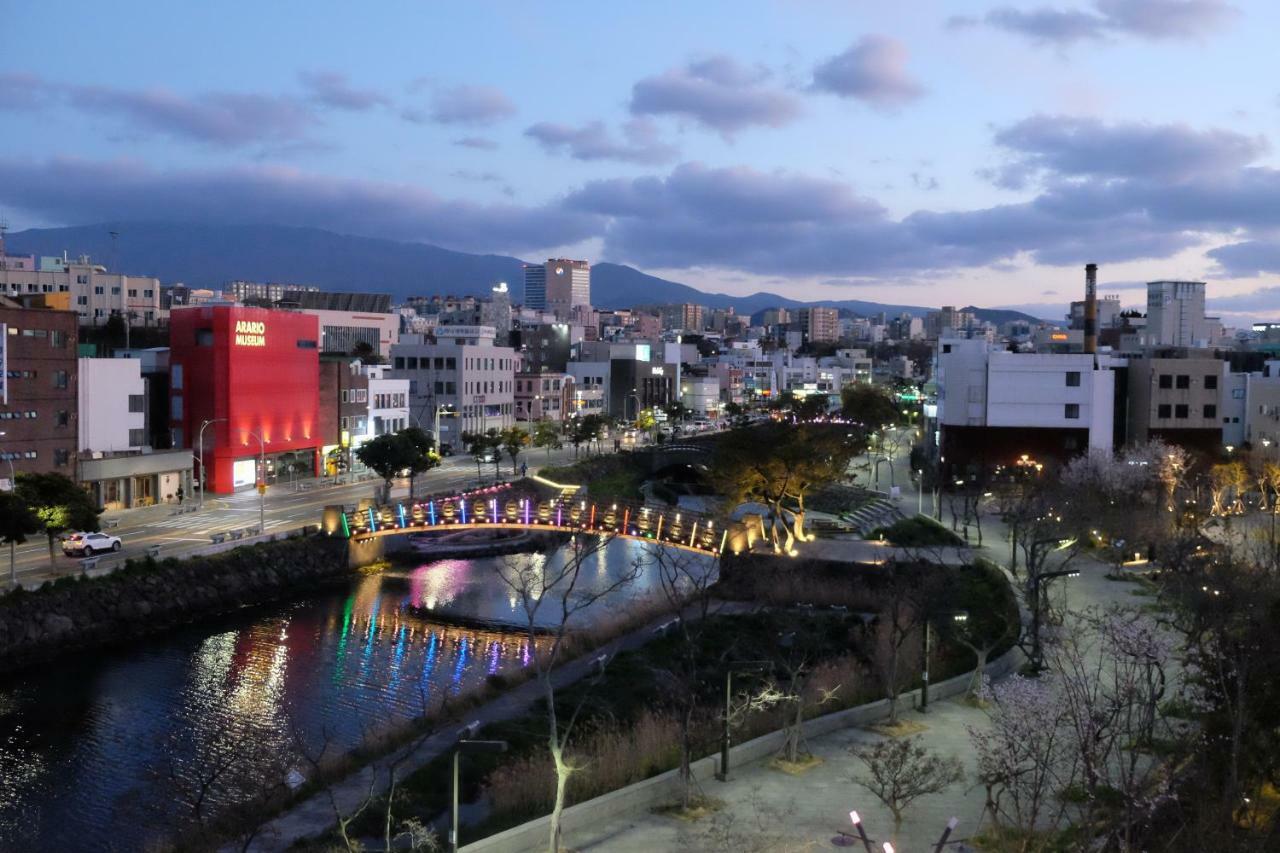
(251, 333)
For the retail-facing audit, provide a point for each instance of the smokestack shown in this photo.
(1091, 308)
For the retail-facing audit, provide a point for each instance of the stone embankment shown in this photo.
(146, 596)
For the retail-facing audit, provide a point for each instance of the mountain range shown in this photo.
(209, 256)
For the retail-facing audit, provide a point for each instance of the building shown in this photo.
(941, 323)
(117, 464)
(249, 377)
(701, 395)
(771, 317)
(1178, 400)
(93, 293)
(348, 320)
(544, 396)
(685, 317)
(265, 293)
(388, 401)
(545, 347)
(460, 373)
(153, 364)
(1175, 315)
(819, 325)
(591, 390)
(344, 412)
(994, 406)
(558, 286)
(38, 390)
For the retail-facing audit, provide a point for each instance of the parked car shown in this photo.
(446, 449)
(88, 544)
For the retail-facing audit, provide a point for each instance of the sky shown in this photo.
(932, 152)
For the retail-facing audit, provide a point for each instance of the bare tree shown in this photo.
(902, 770)
(553, 597)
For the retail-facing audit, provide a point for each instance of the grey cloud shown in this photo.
(593, 141)
(718, 93)
(73, 190)
(1152, 19)
(1263, 299)
(480, 143)
(1247, 259)
(1079, 147)
(473, 105)
(873, 70)
(331, 89)
(23, 91)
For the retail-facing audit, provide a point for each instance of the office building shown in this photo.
(38, 390)
(685, 317)
(348, 320)
(559, 286)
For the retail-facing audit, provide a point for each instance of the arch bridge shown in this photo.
(690, 531)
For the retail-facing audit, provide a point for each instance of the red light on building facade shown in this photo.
(253, 374)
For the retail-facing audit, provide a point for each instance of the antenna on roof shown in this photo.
(115, 247)
(4, 257)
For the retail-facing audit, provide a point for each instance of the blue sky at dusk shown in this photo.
(931, 152)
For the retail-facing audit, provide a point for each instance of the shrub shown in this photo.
(920, 531)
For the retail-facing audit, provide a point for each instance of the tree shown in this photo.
(484, 446)
(981, 591)
(585, 430)
(902, 770)
(17, 521)
(737, 415)
(58, 503)
(420, 449)
(547, 435)
(550, 596)
(514, 440)
(366, 352)
(387, 456)
(868, 405)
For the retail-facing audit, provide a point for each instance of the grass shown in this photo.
(807, 761)
(918, 531)
(612, 476)
(698, 808)
(902, 728)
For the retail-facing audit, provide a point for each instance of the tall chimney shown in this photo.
(1091, 308)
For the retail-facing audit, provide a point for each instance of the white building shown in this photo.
(113, 405)
(701, 395)
(1175, 315)
(460, 373)
(388, 401)
(92, 292)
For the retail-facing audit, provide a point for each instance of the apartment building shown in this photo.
(388, 401)
(1177, 399)
(38, 390)
(818, 325)
(89, 290)
(544, 396)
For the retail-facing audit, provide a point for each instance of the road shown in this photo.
(284, 508)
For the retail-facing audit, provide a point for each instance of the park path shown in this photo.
(766, 809)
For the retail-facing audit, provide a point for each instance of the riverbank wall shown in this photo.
(147, 596)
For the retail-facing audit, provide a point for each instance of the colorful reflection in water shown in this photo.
(85, 744)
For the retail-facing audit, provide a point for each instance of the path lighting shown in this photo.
(862, 832)
(725, 736)
(946, 833)
(1036, 604)
(468, 746)
(956, 616)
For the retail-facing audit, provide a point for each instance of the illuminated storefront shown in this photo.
(250, 377)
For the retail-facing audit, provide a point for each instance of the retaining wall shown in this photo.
(665, 788)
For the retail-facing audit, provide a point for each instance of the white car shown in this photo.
(88, 544)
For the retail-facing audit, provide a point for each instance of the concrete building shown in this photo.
(38, 390)
(266, 292)
(591, 390)
(558, 286)
(344, 412)
(701, 395)
(388, 401)
(458, 370)
(544, 396)
(819, 325)
(93, 293)
(348, 319)
(112, 406)
(1178, 400)
(1175, 315)
(685, 317)
(153, 364)
(994, 405)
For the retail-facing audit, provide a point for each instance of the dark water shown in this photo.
(98, 751)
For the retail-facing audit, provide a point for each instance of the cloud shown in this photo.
(74, 190)
(873, 70)
(1150, 19)
(467, 105)
(1247, 259)
(593, 141)
(1088, 147)
(1264, 299)
(23, 91)
(717, 93)
(331, 89)
(480, 143)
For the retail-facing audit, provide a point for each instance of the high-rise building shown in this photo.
(535, 286)
(819, 324)
(560, 285)
(1175, 315)
(685, 317)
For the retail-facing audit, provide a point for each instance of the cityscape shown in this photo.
(776, 427)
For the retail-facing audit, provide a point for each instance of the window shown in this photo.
(946, 348)
(303, 343)
(1211, 382)
(175, 408)
(1164, 411)
(412, 362)
(98, 290)
(1210, 411)
(137, 402)
(175, 377)
(362, 395)
(62, 418)
(61, 457)
(1182, 411)
(1237, 393)
(82, 279)
(60, 379)
(82, 300)
(343, 396)
(1183, 382)
(204, 337)
(450, 364)
(1166, 380)
(133, 292)
(399, 363)
(1073, 379)
(148, 293)
(137, 437)
(115, 291)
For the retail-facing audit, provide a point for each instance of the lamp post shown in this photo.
(262, 482)
(13, 478)
(200, 449)
(957, 616)
(13, 560)
(442, 409)
(1036, 590)
(461, 747)
(725, 736)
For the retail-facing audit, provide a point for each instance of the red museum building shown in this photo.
(250, 377)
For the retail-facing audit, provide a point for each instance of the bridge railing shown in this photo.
(679, 528)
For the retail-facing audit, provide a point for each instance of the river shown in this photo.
(99, 750)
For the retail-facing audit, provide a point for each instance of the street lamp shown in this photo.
(200, 453)
(442, 409)
(13, 478)
(725, 737)
(262, 482)
(956, 616)
(13, 487)
(461, 747)
(1036, 583)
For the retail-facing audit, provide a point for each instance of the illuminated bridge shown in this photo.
(565, 514)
